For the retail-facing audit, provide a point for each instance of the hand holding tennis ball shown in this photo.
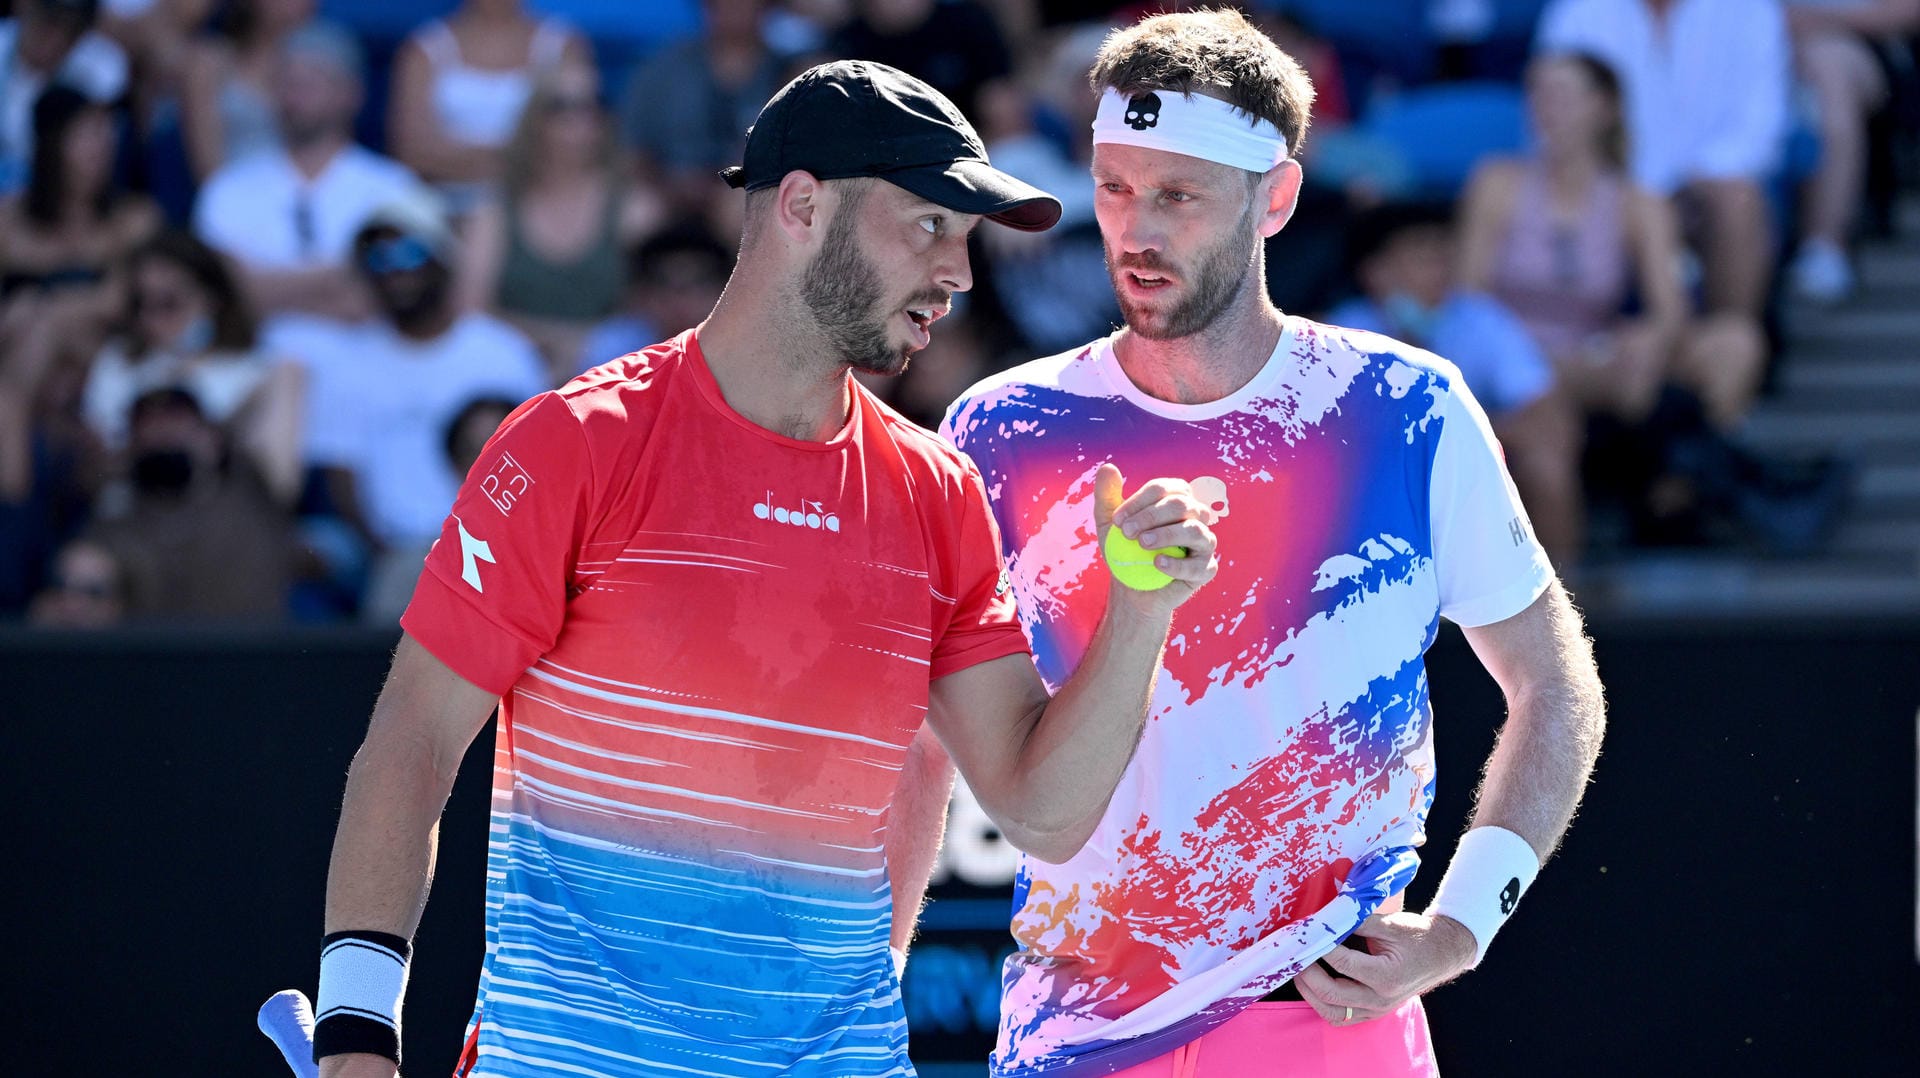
(1159, 537)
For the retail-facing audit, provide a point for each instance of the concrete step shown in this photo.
(1731, 584)
(1876, 538)
(1887, 331)
(1822, 351)
(1888, 265)
(1889, 481)
(1779, 424)
(1800, 375)
(1814, 398)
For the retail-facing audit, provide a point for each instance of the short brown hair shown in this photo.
(1215, 53)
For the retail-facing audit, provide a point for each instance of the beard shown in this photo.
(844, 292)
(1219, 273)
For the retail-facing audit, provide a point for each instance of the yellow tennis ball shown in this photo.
(1133, 564)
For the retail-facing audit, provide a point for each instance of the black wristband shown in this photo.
(338, 1034)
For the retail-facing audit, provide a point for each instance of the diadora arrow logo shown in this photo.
(472, 553)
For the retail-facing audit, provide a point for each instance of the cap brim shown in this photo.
(971, 186)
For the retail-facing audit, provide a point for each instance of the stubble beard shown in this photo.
(843, 290)
(1220, 273)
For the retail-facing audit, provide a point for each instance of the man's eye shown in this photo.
(931, 224)
(1179, 196)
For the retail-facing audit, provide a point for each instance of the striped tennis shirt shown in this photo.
(713, 645)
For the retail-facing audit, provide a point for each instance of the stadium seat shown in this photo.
(1444, 130)
(1382, 38)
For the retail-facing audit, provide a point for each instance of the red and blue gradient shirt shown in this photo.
(713, 645)
(1283, 779)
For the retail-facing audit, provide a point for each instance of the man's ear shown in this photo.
(797, 206)
(1282, 187)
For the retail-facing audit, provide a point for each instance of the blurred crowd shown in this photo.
(272, 271)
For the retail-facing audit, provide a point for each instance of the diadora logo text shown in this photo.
(806, 514)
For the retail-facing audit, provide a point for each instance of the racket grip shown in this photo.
(287, 1019)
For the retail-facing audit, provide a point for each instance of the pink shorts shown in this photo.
(1290, 1040)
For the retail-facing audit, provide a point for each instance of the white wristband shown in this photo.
(899, 961)
(360, 977)
(1490, 870)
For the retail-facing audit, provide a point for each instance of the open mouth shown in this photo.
(921, 319)
(1147, 281)
(920, 326)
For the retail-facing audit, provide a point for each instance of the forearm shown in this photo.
(382, 864)
(915, 826)
(1078, 744)
(383, 851)
(1546, 751)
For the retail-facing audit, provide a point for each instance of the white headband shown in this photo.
(1191, 124)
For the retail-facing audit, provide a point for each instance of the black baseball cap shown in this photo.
(859, 118)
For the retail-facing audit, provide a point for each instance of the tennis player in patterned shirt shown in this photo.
(1280, 792)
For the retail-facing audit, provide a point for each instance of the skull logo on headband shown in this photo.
(1143, 111)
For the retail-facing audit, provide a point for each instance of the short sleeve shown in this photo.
(984, 623)
(494, 592)
(1490, 566)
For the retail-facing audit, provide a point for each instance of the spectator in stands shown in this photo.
(188, 327)
(227, 98)
(61, 241)
(1705, 86)
(1406, 263)
(49, 464)
(1346, 171)
(1844, 49)
(288, 215)
(48, 42)
(674, 278)
(687, 108)
(87, 590)
(384, 392)
(953, 45)
(460, 85)
(467, 434)
(1050, 288)
(1565, 237)
(201, 537)
(547, 255)
(157, 38)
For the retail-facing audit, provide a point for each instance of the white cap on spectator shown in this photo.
(420, 213)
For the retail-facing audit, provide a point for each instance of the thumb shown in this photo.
(1374, 927)
(1108, 490)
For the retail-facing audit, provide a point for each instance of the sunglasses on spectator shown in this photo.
(401, 254)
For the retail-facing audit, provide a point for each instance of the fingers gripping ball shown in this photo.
(1133, 565)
